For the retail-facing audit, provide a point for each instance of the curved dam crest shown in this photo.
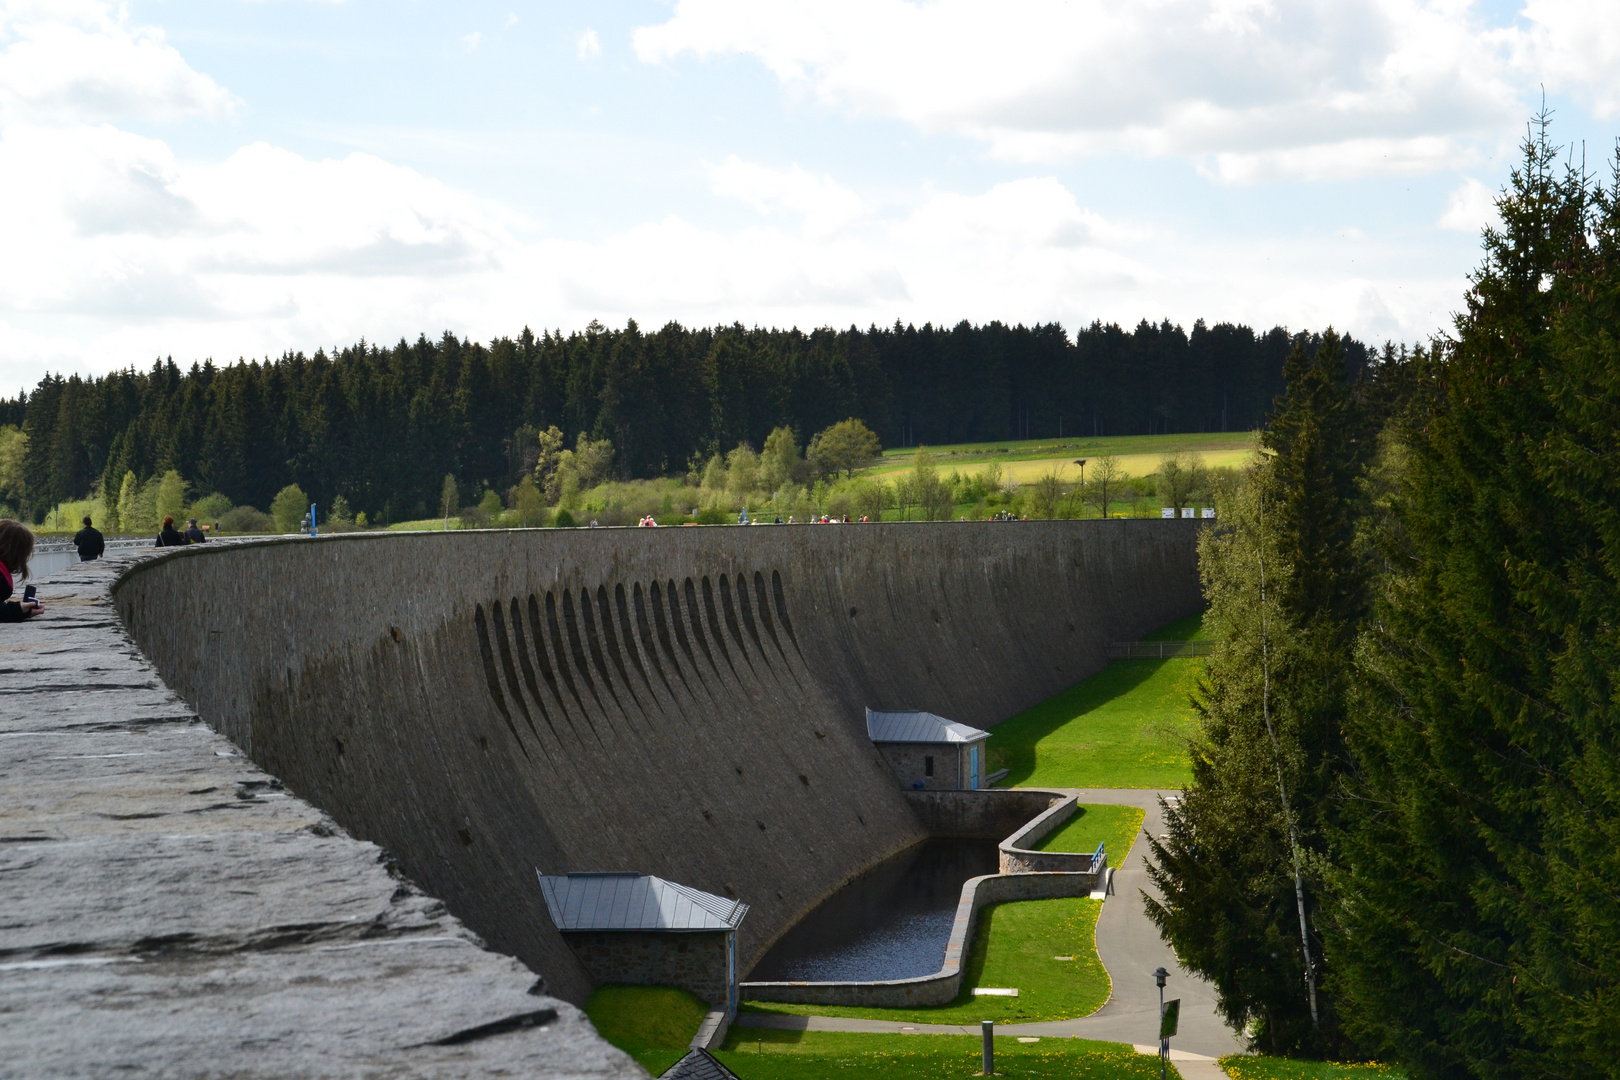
(681, 702)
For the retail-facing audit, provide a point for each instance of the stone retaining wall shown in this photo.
(991, 813)
(1018, 856)
(942, 987)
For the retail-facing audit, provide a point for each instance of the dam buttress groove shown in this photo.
(767, 673)
(681, 702)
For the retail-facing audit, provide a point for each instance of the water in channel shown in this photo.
(892, 922)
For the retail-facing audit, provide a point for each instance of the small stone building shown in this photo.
(640, 929)
(928, 752)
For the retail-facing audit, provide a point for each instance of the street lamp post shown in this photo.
(1159, 976)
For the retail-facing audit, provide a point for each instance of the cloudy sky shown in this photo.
(226, 178)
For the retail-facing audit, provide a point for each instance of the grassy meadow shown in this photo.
(1071, 448)
(1023, 462)
(1093, 824)
(653, 1024)
(691, 499)
(757, 1054)
(1124, 727)
(1017, 945)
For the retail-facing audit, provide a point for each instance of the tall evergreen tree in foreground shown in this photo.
(1476, 928)
(1238, 868)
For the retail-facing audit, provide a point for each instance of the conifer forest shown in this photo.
(383, 426)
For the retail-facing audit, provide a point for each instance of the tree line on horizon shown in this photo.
(383, 426)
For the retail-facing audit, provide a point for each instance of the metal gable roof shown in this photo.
(918, 727)
(635, 902)
(697, 1065)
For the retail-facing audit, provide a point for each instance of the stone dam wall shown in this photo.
(682, 702)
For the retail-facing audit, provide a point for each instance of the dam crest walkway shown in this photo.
(170, 910)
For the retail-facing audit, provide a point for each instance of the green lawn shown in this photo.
(1125, 727)
(653, 1024)
(958, 454)
(1015, 946)
(1189, 629)
(1245, 1067)
(1093, 824)
(757, 1054)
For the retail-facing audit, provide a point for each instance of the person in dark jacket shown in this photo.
(90, 542)
(170, 536)
(195, 535)
(16, 546)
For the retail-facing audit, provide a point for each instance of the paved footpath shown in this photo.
(1130, 948)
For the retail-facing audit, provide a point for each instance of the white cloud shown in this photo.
(106, 225)
(1261, 89)
(84, 61)
(470, 41)
(118, 252)
(1470, 208)
(1574, 45)
(1347, 160)
(824, 205)
(511, 20)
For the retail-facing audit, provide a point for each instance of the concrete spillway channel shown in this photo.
(206, 754)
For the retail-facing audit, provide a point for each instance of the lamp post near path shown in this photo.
(1169, 1019)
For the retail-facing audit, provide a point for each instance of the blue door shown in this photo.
(973, 768)
(731, 970)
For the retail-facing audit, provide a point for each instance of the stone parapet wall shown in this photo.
(1018, 856)
(172, 910)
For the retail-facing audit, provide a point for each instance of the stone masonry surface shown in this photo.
(993, 813)
(168, 909)
(682, 702)
(1017, 852)
(908, 762)
(697, 962)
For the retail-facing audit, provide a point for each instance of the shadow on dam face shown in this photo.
(681, 702)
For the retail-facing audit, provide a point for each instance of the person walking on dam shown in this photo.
(90, 542)
(170, 536)
(195, 535)
(16, 547)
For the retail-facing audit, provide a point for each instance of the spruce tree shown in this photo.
(1476, 928)
(1238, 870)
